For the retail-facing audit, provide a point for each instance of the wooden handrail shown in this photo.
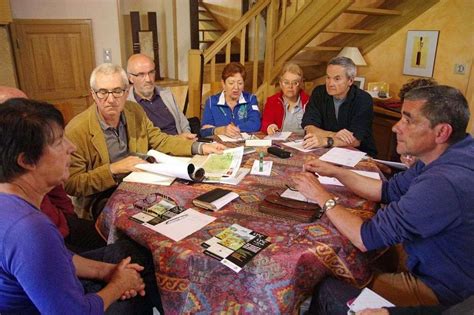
(235, 30)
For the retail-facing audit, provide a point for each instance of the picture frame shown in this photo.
(420, 53)
(359, 82)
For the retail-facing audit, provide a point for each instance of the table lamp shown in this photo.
(354, 54)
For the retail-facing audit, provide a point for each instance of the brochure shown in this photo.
(235, 246)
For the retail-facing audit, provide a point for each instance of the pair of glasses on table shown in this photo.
(146, 204)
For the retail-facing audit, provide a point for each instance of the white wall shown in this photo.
(184, 37)
(103, 13)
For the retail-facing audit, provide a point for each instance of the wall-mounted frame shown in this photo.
(360, 82)
(420, 53)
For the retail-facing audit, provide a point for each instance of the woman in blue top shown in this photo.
(233, 110)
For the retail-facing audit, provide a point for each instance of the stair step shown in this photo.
(206, 19)
(207, 41)
(211, 31)
(372, 11)
(321, 48)
(349, 31)
(307, 63)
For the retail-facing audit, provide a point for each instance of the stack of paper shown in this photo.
(343, 156)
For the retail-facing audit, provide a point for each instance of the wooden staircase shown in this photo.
(209, 28)
(309, 35)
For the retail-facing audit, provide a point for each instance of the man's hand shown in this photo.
(209, 148)
(189, 136)
(310, 187)
(272, 129)
(346, 136)
(320, 167)
(126, 165)
(311, 141)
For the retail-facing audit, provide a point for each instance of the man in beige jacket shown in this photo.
(107, 135)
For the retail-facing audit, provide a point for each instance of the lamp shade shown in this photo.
(354, 54)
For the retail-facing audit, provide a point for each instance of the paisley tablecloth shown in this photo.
(277, 280)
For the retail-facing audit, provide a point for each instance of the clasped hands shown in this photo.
(125, 276)
(312, 140)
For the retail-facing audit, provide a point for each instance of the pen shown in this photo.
(176, 219)
(260, 162)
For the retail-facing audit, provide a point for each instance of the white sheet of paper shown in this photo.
(333, 181)
(343, 156)
(295, 195)
(148, 178)
(167, 165)
(267, 168)
(182, 225)
(368, 299)
(258, 143)
(243, 136)
(298, 145)
(279, 136)
(219, 203)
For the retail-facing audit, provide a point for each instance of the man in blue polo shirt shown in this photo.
(429, 207)
(158, 103)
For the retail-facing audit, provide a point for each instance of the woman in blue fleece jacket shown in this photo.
(233, 110)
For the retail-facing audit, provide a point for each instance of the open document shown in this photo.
(217, 166)
(168, 166)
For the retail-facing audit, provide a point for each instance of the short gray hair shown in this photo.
(108, 69)
(347, 64)
(443, 104)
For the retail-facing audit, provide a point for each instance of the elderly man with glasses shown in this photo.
(108, 136)
(158, 103)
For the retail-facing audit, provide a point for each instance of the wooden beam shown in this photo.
(372, 11)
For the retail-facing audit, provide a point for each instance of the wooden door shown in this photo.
(54, 61)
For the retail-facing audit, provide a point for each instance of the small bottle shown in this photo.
(260, 162)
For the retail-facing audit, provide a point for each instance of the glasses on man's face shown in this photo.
(142, 75)
(286, 83)
(103, 93)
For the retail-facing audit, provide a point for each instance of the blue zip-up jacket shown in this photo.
(430, 210)
(245, 115)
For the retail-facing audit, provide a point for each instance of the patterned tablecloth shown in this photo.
(277, 280)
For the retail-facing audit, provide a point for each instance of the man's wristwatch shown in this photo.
(330, 142)
(328, 205)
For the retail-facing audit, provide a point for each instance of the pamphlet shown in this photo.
(217, 166)
(174, 225)
(298, 145)
(235, 246)
(171, 166)
(343, 156)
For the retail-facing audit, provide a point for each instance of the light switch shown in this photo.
(107, 55)
(459, 68)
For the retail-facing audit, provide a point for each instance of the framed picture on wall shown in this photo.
(420, 53)
(359, 82)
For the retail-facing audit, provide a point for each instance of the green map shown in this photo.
(219, 164)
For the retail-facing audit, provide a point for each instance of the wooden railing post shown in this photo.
(194, 83)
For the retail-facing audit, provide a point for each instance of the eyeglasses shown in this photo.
(142, 75)
(154, 198)
(103, 93)
(290, 83)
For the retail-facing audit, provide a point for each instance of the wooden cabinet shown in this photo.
(5, 12)
(385, 139)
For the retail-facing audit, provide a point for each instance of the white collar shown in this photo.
(221, 100)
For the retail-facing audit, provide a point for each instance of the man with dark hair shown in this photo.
(37, 273)
(79, 235)
(428, 207)
(339, 114)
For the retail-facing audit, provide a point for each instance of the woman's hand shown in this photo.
(271, 129)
